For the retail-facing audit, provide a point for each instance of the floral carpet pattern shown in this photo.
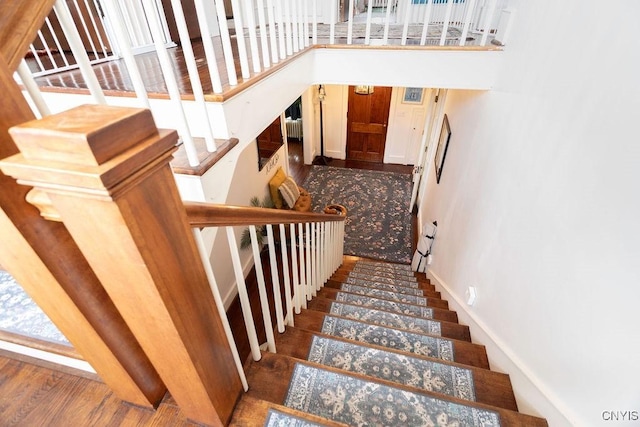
(378, 278)
(396, 307)
(356, 402)
(385, 272)
(377, 293)
(386, 337)
(279, 419)
(384, 286)
(20, 315)
(399, 368)
(385, 318)
(378, 223)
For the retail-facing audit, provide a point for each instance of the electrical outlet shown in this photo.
(471, 295)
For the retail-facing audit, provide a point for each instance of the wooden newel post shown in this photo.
(106, 171)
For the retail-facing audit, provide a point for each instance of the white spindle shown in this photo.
(350, 24)
(367, 31)
(387, 21)
(54, 35)
(405, 28)
(243, 296)
(275, 280)
(486, 22)
(226, 43)
(305, 16)
(253, 38)
(242, 46)
(96, 30)
(314, 33)
(321, 253)
(294, 25)
(264, 39)
(86, 30)
(202, 250)
(170, 80)
(34, 52)
(262, 290)
(47, 49)
(295, 272)
(427, 19)
(124, 46)
(309, 281)
(467, 21)
(207, 44)
(285, 275)
(314, 260)
(281, 29)
(192, 70)
(445, 24)
(332, 23)
(288, 26)
(79, 52)
(273, 38)
(304, 280)
(32, 87)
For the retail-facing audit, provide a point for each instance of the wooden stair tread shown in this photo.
(252, 412)
(322, 303)
(492, 388)
(448, 329)
(464, 352)
(271, 376)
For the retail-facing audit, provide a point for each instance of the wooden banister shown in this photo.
(19, 25)
(123, 209)
(211, 215)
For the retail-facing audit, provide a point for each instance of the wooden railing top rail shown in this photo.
(212, 215)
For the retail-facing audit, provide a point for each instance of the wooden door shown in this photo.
(367, 120)
(269, 141)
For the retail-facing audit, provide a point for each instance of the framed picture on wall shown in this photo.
(412, 95)
(441, 149)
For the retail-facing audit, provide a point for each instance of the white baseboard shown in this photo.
(47, 356)
(532, 395)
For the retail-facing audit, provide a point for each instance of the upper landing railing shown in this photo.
(82, 33)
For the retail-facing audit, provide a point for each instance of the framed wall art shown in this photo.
(443, 145)
(412, 95)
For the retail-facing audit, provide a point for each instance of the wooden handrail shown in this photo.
(212, 215)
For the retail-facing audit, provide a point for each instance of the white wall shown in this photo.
(538, 208)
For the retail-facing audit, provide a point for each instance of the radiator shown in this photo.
(380, 3)
(294, 128)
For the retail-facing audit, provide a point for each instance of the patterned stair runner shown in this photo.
(277, 418)
(386, 337)
(397, 307)
(388, 295)
(399, 368)
(385, 318)
(384, 279)
(384, 286)
(353, 401)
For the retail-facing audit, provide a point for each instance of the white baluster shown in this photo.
(467, 21)
(243, 296)
(192, 69)
(96, 30)
(86, 30)
(305, 20)
(204, 257)
(242, 46)
(281, 29)
(303, 276)
(387, 21)
(314, 33)
(285, 275)
(405, 28)
(309, 281)
(272, 32)
(207, 44)
(350, 24)
(226, 43)
(294, 25)
(367, 31)
(295, 272)
(314, 260)
(253, 38)
(78, 50)
(170, 79)
(262, 290)
(35, 55)
(47, 49)
(275, 280)
(54, 35)
(445, 24)
(33, 89)
(332, 23)
(288, 26)
(427, 19)
(486, 22)
(264, 40)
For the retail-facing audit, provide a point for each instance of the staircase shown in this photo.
(378, 346)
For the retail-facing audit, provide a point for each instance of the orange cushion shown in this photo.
(275, 183)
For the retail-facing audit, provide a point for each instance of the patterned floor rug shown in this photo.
(355, 402)
(399, 368)
(378, 222)
(396, 307)
(386, 337)
(20, 315)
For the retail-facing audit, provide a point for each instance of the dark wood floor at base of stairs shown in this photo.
(271, 375)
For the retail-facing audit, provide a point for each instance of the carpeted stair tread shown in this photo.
(388, 287)
(271, 381)
(279, 418)
(423, 344)
(407, 275)
(382, 279)
(405, 299)
(341, 276)
(327, 294)
(491, 388)
(252, 412)
(386, 265)
(400, 321)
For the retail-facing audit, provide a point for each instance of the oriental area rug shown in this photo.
(378, 223)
